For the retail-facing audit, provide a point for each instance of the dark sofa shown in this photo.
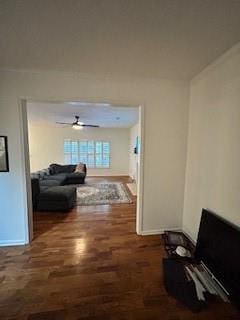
(52, 188)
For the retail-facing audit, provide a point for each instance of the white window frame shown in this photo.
(79, 154)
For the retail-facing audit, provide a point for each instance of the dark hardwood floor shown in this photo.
(90, 264)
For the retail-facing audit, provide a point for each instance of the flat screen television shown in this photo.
(218, 247)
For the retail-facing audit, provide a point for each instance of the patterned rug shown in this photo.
(102, 193)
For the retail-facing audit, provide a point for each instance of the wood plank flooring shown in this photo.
(90, 264)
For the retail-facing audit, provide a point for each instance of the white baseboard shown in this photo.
(5, 243)
(158, 231)
(161, 231)
(106, 175)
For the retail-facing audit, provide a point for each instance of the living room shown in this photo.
(107, 144)
(180, 62)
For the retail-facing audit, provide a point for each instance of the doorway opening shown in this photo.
(108, 140)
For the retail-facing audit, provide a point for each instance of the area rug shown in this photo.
(102, 193)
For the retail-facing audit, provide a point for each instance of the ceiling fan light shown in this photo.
(77, 126)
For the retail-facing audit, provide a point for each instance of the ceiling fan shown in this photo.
(78, 125)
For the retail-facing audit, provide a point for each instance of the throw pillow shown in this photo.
(80, 167)
(56, 168)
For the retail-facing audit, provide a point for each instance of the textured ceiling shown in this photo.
(151, 38)
(104, 115)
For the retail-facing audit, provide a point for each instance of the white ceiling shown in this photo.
(150, 38)
(104, 115)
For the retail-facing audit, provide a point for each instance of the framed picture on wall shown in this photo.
(4, 164)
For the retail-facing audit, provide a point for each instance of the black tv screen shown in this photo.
(218, 247)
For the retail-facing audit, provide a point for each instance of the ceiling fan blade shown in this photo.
(90, 125)
(64, 123)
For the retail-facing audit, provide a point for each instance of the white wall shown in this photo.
(13, 200)
(133, 158)
(166, 115)
(213, 175)
(46, 146)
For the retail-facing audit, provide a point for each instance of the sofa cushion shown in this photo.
(57, 168)
(49, 183)
(46, 171)
(75, 178)
(34, 175)
(60, 198)
(35, 191)
(41, 174)
(59, 177)
(76, 174)
(58, 193)
(43, 188)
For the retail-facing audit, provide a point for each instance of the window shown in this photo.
(96, 154)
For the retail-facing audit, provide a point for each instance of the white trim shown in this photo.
(27, 181)
(28, 217)
(140, 174)
(126, 175)
(5, 243)
(161, 231)
(158, 231)
(23, 128)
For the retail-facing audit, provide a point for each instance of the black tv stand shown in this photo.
(191, 283)
(179, 286)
